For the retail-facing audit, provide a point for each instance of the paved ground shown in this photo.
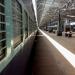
(47, 60)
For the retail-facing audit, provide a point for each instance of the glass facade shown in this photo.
(2, 30)
(17, 22)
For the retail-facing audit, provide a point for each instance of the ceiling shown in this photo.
(50, 10)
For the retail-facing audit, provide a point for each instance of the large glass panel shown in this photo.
(17, 22)
(2, 30)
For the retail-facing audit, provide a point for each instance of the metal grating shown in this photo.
(2, 30)
(17, 22)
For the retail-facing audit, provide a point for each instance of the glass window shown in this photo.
(17, 22)
(2, 31)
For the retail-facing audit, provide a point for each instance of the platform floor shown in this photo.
(47, 60)
(68, 43)
(42, 58)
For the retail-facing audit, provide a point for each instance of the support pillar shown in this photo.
(59, 27)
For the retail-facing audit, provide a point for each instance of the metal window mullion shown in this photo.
(2, 5)
(2, 13)
(3, 48)
(2, 22)
(2, 40)
(2, 31)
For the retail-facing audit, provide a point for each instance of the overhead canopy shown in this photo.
(50, 9)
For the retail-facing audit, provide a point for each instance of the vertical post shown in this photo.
(28, 26)
(9, 25)
(46, 26)
(23, 22)
(59, 28)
